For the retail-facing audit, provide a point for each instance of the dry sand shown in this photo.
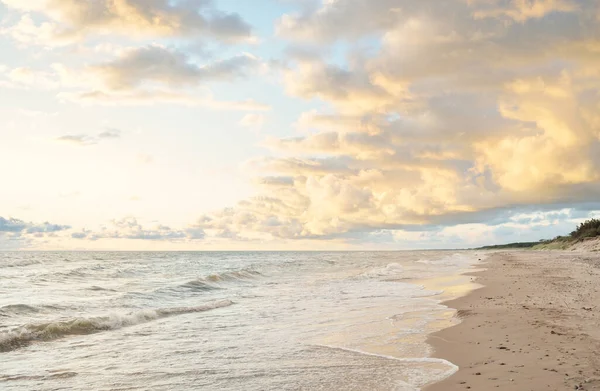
(535, 325)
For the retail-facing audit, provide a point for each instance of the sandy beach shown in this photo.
(534, 325)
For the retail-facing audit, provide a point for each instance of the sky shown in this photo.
(296, 124)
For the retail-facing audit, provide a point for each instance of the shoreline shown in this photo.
(531, 325)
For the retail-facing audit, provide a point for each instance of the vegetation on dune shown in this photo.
(586, 230)
(510, 245)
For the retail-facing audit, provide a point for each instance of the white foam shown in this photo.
(23, 336)
(452, 368)
(390, 270)
(401, 359)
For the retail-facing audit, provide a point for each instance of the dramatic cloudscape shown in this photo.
(296, 124)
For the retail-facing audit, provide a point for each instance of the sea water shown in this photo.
(225, 320)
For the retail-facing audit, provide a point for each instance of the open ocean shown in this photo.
(225, 320)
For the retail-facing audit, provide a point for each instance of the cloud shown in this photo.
(451, 120)
(522, 10)
(336, 85)
(12, 225)
(27, 77)
(72, 20)
(110, 134)
(157, 97)
(19, 227)
(524, 226)
(80, 235)
(55, 76)
(129, 228)
(76, 139)
(27, 32)
(461, 120)
(86, 140)
(46, 228)
(158, 64)
(146, 75)
(252, 121)
(354, 19)
(340, 19)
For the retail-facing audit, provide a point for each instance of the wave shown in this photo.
(14, 309)
(390, 270)
(452, 366)
(23, 309)
(77, 273)
(99, 288)
(51, 376)
(199, 285)
(30, 333)
(234, 276)
(216, 281)
(188, 310)
(18, 262)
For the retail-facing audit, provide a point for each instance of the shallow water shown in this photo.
(225, 320)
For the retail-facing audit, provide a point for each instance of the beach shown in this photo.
(532, 326)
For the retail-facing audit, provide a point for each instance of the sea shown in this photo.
(226, 320)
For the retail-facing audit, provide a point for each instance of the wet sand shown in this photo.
(535, 325)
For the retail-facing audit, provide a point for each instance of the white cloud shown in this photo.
(142, 76)
(253, 121)
(76, 139)
(340, 19)
(156, 97)
(451, 117)
(73, 20)
(27, 77)
(461, 110)
(18, 234)
(86, 139)
(130, 228)
(156, 64)
(110, 134)
(522, 10)
(27, 32)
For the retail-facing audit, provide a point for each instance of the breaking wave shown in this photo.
(390, 270)
(216, 281)
(234, 276)
(30, 333)
(199, 285)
